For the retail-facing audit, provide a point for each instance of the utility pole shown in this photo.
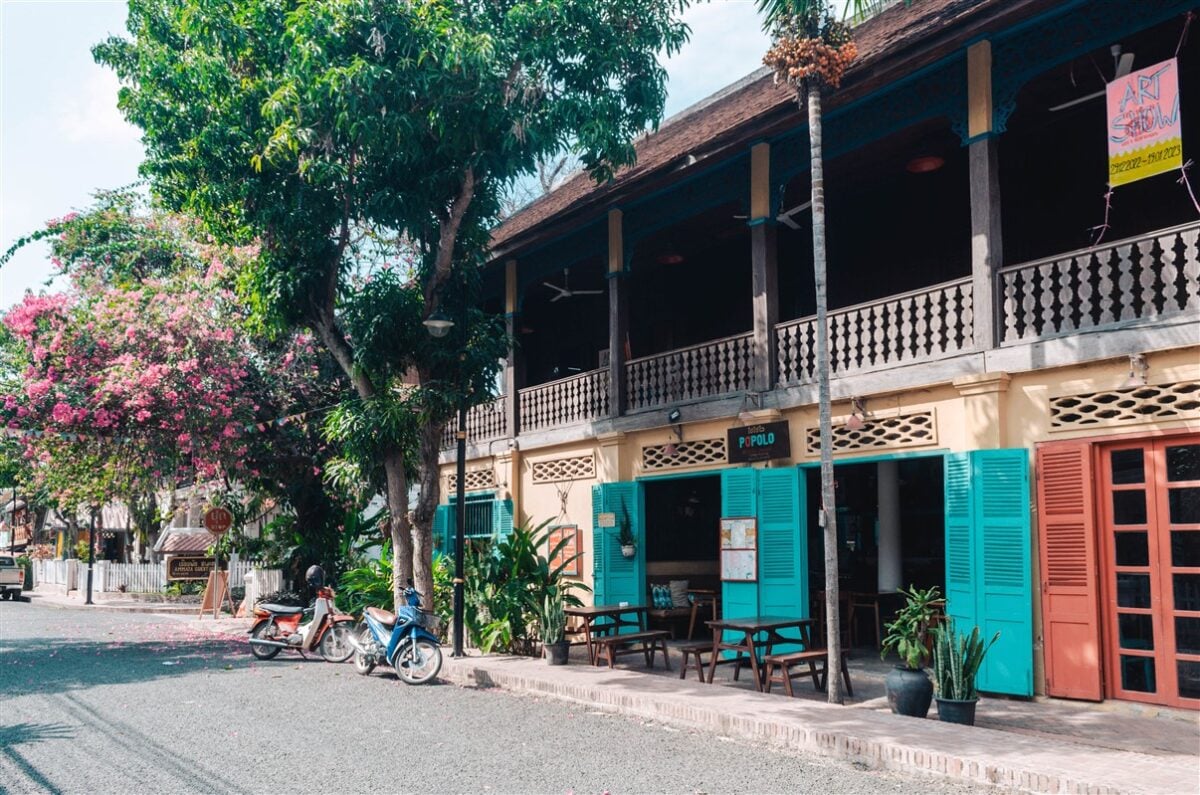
(91, 556)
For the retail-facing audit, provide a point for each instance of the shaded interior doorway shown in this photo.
(681, 526)
(874, 557)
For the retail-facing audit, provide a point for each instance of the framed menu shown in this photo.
(569, 554)
(739, 549)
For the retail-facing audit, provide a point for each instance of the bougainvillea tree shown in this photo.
(302, 124)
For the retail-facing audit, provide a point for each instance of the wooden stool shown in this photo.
(694, 652)
(864, 602)
(779, 669)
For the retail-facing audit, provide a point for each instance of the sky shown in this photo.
(62, 137)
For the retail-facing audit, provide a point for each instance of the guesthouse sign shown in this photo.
(760, 442)
(189, 568)
(1144, 135)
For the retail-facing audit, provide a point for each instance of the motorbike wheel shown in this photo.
(335, 644)
(364, 663)
(419, 662)
(266, 630)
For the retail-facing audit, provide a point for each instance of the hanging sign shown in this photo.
(1144, 135)
(567, 557)
(759, 442)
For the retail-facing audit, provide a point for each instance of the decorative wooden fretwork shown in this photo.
(901, 329)
(910, 430)
(567, 401)
(476, 480)
(713, 368)
(1141, 278)
(576, 468)
(1131, 404)
(484, 421)
(684, 454)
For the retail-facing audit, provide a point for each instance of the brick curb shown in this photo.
(875, 739)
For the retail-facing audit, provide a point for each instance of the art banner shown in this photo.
(1144, 135)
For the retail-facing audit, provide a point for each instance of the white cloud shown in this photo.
(91, 115)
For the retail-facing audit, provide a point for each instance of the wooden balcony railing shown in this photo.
(1156, 275)
(698, 371)
(911, 327)
(567, 401)
(484, 422)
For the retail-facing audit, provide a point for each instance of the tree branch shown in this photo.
(446, 240)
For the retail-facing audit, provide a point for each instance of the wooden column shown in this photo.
(986, 242)
(512, 415)
(618, 314)
(764, 268)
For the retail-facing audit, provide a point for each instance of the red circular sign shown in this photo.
(218, 520)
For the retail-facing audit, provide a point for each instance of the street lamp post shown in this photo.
(439, 325)
(91, 556)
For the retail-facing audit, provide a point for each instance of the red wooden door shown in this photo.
(1070, 593)
(1150, 532)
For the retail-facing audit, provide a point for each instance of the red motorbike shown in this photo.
(318, 628)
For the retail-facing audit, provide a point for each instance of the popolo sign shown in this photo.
(759, 442)
(1144, 135)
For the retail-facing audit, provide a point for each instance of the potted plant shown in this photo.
(956, 661)
(909, 691)
(554, 624)
(625, 536)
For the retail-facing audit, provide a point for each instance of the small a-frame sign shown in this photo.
(216, 594)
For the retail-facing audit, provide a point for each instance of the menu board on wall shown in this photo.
(739, 549)
(569, 556)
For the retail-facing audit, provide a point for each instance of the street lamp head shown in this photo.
(438, 323)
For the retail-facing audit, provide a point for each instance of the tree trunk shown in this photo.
(828, 498)
(397, 504)
(430, 444)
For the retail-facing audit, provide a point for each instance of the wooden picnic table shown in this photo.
(613, 617)
(747, 630)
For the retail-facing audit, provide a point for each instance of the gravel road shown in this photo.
(104, 702)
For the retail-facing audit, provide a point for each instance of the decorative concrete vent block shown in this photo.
(910, 430)
(1126, 405)
(577, 468)
(684, 454)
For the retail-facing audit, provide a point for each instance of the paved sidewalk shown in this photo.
(1039, 746)
(113, 602)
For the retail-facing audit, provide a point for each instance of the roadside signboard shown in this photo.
(190, 567)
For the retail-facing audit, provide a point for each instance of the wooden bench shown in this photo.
(779, 669)
(612, 646)
(696, 651)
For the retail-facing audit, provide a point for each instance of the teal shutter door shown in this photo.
(618, 578)
(782, 547)
(1003, 569)
(739, 497)
(442, 540)
(989, 580)
(502, 518)
(960, 556)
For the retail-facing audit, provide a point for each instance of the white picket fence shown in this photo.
(71, 575)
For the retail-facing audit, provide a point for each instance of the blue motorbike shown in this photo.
(406, 641)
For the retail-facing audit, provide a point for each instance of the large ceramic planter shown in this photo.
(557, 653)
(909, 691)
(954, 711)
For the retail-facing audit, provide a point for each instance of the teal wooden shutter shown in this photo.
(960, 556)
(502, 518)
(618, 578)
(739, 497)
(442, 538)
(1003, 569)
(782, 547)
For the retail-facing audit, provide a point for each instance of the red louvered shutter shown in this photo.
(1070, 597)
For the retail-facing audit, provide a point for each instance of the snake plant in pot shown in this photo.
(553, 621)
(909, 691)
(956, 661)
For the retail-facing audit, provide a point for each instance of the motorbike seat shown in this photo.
(385, 618)
(283, 610)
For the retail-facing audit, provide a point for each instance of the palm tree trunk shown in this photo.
(828, 504)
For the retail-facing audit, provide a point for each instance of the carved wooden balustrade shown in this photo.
(1156, 275)
(484, 421)
(911, 327)
(567, 401)
(711, 368)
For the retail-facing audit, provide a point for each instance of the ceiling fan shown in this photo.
(565, 291)
(1123, 65)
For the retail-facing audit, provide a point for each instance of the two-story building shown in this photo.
(1015, 349)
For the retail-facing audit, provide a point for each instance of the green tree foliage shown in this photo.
(318, 128)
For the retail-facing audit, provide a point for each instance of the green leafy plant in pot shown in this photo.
(625, 536)
(553, 622)
(957, 658)
(909, 691)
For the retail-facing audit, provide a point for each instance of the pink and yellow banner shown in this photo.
(1144, 135)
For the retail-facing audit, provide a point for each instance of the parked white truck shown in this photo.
(12, 577)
